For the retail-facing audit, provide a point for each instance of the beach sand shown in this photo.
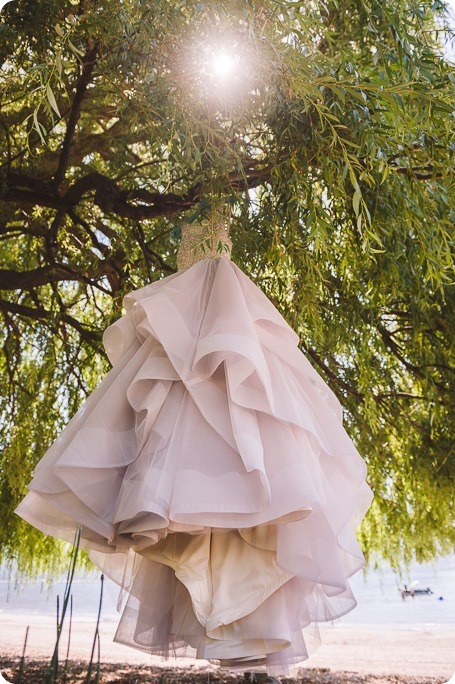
(76, 673)
(347, 654)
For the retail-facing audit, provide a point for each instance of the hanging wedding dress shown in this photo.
(210, 473)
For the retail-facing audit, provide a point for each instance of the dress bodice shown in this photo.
(205, 240)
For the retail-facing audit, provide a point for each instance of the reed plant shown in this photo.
(96, 642)
(65, 667)
(62, 609)
(22, 663)
(52, 672)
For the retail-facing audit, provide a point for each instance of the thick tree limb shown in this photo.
(45, 275)
(26, 280)
(84, 144)
(110, 198)
(88, 64)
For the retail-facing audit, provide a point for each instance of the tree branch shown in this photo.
(88, 64)
(333, 376)
(93, 337)
(135, 204)
(418, 172)
(26, 280)
(45, 275)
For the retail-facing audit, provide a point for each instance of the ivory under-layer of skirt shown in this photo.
(211, 476)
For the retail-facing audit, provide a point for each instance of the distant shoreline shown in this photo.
(111, 618)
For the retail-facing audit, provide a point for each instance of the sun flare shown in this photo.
(221, 68)
(223, 64)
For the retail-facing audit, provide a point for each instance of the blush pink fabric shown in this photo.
(211, 476)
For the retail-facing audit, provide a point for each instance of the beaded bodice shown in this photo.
(206, 240)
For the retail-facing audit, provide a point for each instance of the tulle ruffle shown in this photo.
(211, 476)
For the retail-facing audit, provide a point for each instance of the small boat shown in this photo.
(413, 590)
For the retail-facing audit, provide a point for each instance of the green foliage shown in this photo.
(334, 149)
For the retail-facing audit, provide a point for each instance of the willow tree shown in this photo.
(330, 141)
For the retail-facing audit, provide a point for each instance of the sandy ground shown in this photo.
(426, 652)
(77, 672)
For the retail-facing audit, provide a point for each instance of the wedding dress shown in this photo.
(210, 474)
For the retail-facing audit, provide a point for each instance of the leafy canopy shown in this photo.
(332, 142)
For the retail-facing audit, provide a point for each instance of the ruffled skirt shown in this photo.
(211, 476)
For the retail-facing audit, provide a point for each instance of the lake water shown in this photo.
(379, 601)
